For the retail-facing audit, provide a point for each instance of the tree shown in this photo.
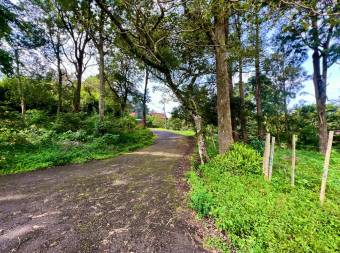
(50, 18)
(258, 98)
(122, 76)
(72, 15)
(20, 35)
(152, 44)
(99, 35)
(240, 56)
(285, 71)
(315, 27)
(145, 94)
(7, 18)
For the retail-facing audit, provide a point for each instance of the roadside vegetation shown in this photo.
(42, 141)
(262, 216)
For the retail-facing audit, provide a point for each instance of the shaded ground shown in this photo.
(125, 204)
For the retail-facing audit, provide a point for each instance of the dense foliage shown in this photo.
(44, 142)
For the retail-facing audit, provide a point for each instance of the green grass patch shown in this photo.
(188, 133)
(259, 216)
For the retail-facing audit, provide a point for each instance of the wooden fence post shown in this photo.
(292, 178)
(325, 167)
(266, 156)
(271, 159)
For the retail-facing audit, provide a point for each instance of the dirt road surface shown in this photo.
(129, 203)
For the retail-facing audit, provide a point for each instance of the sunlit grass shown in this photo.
(188, 133)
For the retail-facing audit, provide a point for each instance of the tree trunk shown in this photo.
(101, 78)
(76, 96)
(60, 80)
(202, 149)
(124, 102)
(146, 79)
(21, 87)
(320, 96)
(243, 117)
(285, 108)
(231, 95)
(320, 89)
(225, 137)
(259, 114)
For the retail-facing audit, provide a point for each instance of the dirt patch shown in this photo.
(131, 203)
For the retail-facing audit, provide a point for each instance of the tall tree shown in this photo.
(315, 27)
(258, 99)
(240, 56)
(72, 15)
(52, 22)
(151, 44)
(99, 35)
(21, 36)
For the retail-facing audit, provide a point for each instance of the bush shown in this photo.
(257, 144)
(126, 122)
(69, 121)
(79, 135)
(36, 117)
(240, 159)
(11, 137)
(200, 199)
(175, 123)
(107, 139)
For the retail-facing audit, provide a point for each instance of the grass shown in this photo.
(188, 133)
(259, 216)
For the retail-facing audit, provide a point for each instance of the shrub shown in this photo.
(239, 159)
(35, 116)
(175, 123)
(257, 144)
(200, 199)
(107, 139)
(79, 135)
(69, 121)
(12, 137)
(125, 122)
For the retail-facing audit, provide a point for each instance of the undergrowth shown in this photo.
(44, 142)
(259, 216)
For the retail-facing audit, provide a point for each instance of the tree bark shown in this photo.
(76, 96)
(320, 89)
(285, 108)
(21, 87)
(101, 72)
(232, 109)
(202, 149)
(225, 137)
(60, 76)
(146, 79)
(259, 114)
(243, 117)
